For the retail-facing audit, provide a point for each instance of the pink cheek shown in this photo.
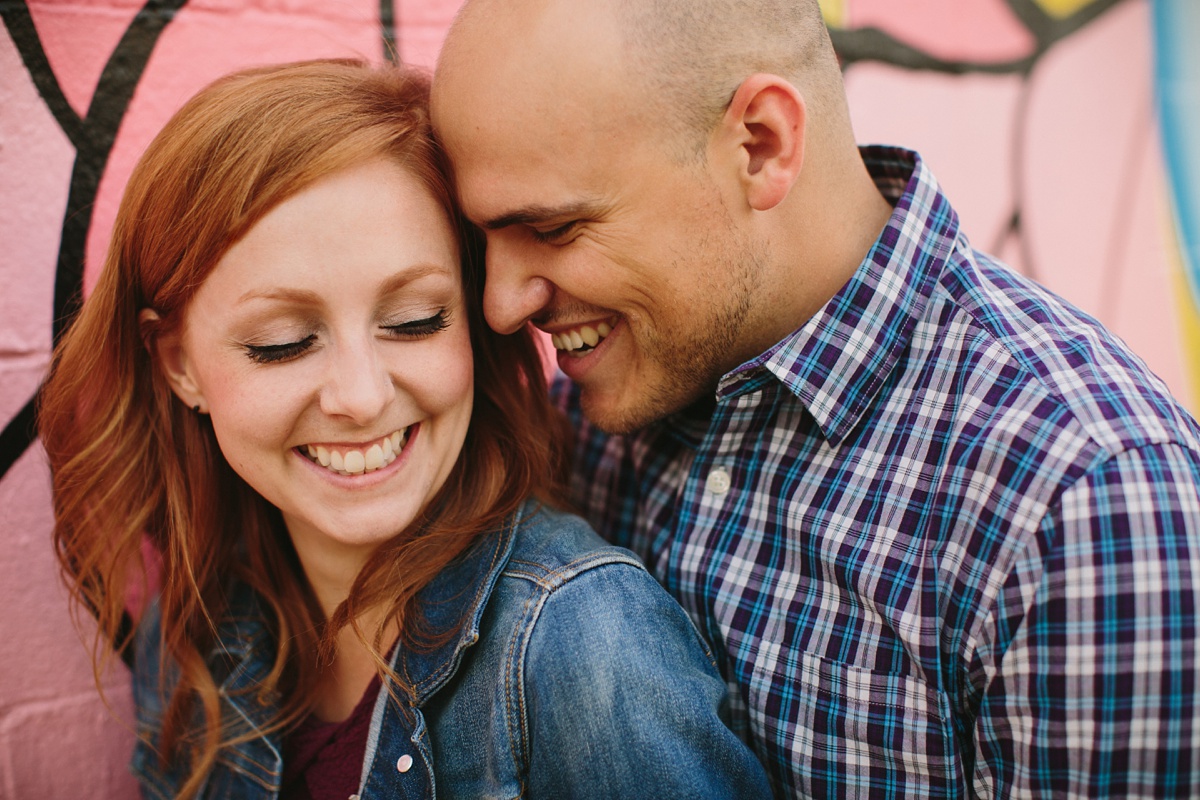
(454, 368)
(455, 386)
(246, 429)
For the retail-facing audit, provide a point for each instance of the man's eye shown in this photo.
(419, 328)
(555, 235)
(271, 353)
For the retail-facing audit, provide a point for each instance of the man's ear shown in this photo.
(765, 121)
(166, 348)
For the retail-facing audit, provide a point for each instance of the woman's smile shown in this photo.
(361, 459)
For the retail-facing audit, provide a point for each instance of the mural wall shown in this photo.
(1040, 119)
(1060, 129)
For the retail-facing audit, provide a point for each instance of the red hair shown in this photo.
(130, 462)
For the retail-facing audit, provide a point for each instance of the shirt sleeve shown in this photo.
(622, 698)
(1095, 693)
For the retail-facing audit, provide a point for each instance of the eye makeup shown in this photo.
(406, 330)
(419, 328)
(271, 353)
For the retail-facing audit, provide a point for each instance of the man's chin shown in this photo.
(631, 411)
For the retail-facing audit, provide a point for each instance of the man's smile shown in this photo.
(582, 338)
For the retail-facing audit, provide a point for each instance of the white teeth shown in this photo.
(585, 336)
(356, 462)
(373, 458)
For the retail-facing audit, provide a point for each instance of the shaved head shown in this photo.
(694, 54)
(683, 59)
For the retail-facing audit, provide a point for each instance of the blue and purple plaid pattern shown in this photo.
(945, 537)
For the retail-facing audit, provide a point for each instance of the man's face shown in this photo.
(597, 235)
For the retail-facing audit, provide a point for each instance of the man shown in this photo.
(942, 529)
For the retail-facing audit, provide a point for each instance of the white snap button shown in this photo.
(404, 764)
(718, 481)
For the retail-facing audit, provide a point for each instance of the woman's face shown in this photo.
(330, 348)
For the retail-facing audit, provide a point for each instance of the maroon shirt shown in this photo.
(324, 760)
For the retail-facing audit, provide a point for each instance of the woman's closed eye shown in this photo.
(420, 328)
(271, 353)
(286, 351)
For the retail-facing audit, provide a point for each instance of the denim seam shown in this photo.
(514, 684)
(552, 579)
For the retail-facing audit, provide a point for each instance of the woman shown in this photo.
(282, 383)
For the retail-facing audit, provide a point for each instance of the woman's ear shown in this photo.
(765, 121)
(166, 348)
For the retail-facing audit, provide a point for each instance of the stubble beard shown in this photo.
(686, 364)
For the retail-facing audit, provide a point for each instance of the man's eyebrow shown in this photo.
(534, 214)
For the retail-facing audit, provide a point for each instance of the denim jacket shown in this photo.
(574, 674)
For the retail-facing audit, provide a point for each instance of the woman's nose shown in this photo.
(358, 385)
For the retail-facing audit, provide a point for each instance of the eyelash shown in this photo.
(419, 328)
(416, 329)
(270, 353)
(551, 236)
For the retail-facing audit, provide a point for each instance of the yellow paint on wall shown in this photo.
(1188, 305)
(1062, 8)
(834, 12)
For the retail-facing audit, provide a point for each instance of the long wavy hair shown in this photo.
(133, 467)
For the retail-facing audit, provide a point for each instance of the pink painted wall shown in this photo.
(57, 740)
(1070, 143)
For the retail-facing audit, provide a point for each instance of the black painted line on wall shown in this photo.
(21, 29)
(93, 137)
(872, 44)
(387, 31)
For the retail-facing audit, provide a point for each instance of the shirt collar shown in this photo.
(838, 360)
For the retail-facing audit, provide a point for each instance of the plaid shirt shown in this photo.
(945, 536)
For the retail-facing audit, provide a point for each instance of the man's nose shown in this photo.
(515, 290)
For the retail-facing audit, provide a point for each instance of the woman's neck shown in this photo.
(341, 684)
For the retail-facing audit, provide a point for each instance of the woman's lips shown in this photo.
(358, 460)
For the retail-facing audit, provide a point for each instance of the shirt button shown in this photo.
(404, 764)
(718, 481)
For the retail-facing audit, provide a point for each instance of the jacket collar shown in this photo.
(460, 592)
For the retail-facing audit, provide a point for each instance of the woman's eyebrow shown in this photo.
(297, 296)
(398, 280)
(414, 272)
